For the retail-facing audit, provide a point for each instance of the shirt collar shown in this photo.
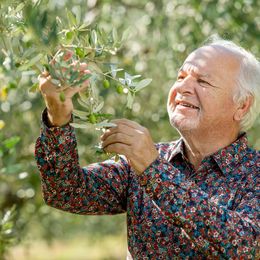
(226, 158)
(177, 147)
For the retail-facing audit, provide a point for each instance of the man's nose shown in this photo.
(186, 85)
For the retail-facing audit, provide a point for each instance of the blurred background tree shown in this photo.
(159, 35)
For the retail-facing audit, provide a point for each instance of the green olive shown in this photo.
(106, 83)
(69, 35)
(119, 89)
(62, 96)
(92, 119)
(80, 52)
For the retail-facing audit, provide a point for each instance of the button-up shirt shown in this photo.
(173, 211)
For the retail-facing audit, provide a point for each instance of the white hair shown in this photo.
(248, 80)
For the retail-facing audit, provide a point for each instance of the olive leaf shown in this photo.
(105, 124)
(79, 113)
(142, 84)
(99, 107)
(93, 38)
(80, 125)
(130, 99)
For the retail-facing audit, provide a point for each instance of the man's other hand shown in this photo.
(132, 140)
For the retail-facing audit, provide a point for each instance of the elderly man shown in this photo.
(197, 197)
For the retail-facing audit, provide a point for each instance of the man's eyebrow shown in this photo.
(204, 76)
(200, 76)
(197, 74)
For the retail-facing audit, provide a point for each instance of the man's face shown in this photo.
(202, 97)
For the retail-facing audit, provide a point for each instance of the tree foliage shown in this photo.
(120, 40)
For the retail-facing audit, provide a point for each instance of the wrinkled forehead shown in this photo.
(213, 59)
(214, 54)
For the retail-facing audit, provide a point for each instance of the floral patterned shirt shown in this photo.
(173, 211)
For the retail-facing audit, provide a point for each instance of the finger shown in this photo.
(84, 72)
(118, 129)
(83, 66)
(76, 65)
(119, 149)
(83, 87)
(45, 82)
(117, 138)
(85, 84)
(128, 123)
(45, 73)
(67, 55)
(73, 90)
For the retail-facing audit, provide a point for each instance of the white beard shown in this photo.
(182, 122)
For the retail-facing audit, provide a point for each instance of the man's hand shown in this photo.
(132, 140)
(59, 113)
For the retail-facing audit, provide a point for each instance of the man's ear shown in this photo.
(243, 108)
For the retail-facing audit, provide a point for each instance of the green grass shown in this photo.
(80, 248)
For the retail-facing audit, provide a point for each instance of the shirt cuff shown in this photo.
(60, 133)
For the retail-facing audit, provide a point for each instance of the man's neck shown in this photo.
(199, 146)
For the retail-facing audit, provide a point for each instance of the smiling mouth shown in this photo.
(186, 105)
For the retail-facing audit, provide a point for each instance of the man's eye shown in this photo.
(201, 81)
(180, 78)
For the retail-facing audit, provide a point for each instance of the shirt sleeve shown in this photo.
(215, 230)
(99, 188)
